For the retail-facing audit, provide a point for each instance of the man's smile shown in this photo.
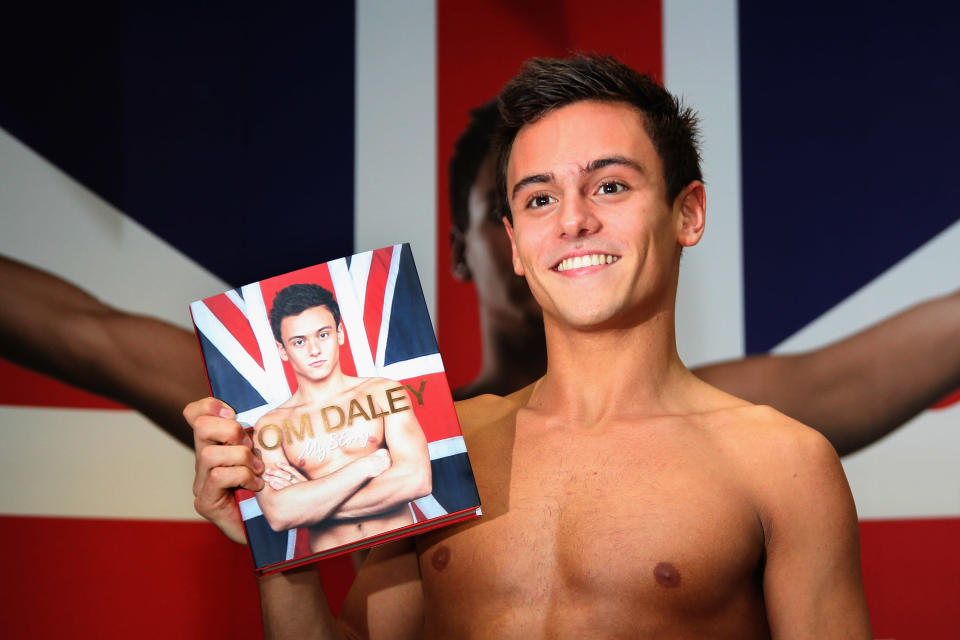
(585, 260)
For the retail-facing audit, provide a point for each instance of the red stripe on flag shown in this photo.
(436, 415)
(418, 516)
(373, 302)
(234, 320)
(911, 574)
(142, 579)
(26, 388)
(950, 400)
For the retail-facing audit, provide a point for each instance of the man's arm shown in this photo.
(409, 476)
(857, 390)
(307, 502)
(386, 599)
(812, 584)
(51, 326)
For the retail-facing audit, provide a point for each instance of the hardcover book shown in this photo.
(335, 371)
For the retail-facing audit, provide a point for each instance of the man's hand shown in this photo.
(224, 461)
(281, 476)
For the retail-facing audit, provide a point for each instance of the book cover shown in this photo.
(336, 372)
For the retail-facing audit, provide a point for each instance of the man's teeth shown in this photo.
(586, 261)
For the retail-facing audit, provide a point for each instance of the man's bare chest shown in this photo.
(317, 444)
(609, 516)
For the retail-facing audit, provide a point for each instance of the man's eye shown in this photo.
(608, 188)
(540, 200)
(324, 334)
(298, 343)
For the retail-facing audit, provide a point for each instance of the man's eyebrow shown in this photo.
(593, 165)
(600, 163)
(324, 328)
(537, 179)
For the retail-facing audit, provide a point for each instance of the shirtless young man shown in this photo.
(344, 456)
(623, 496)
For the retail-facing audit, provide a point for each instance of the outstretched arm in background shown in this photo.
(857, 390)
(51, 326)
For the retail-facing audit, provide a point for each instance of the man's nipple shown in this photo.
(666, 575)
(440, 558)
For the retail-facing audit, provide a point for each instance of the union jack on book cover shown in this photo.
(336, 371)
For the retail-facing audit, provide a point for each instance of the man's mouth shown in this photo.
(591, 260)
(317, 363)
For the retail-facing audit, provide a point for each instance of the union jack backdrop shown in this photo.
(148, 170)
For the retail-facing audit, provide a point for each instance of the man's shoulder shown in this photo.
(375, 384)
(780, 435)
(781, 456)
(488, 409)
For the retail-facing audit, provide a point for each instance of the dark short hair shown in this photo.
(469, 152)
(297, 298)
(545, 84)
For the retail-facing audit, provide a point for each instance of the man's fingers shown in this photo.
(216, 430)
(207, 407)
(222, 479)
(212, 457)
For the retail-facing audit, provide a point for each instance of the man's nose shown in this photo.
(313, 345)
(577, 218)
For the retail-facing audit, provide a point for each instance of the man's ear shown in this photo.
(517, 266)
(283, 352)
(458, 255)
(691, 208)
(340, 333)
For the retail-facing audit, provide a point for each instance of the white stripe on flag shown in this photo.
(260, 323)
(271, 388)
(237, 300)
(406, 369)
(249, 418)
(359, 272)
(291, 544)
(430, 507)
(388, 306)
(446, 447)
(250, 508)
(351, 316)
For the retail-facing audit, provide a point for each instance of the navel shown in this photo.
(666, 575)
(440, 558)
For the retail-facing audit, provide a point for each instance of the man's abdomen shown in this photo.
(335, 533)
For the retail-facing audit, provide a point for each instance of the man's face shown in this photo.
(592, 231)
(487, 254)
(311, 343)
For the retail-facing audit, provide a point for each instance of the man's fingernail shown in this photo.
(257, 465)
(226, 412)
(247, 442)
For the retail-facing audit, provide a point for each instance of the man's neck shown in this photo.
(598, 375)
(313, 392)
